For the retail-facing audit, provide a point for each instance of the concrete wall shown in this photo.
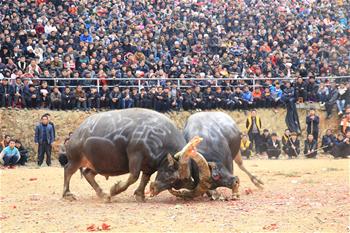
(20, 124)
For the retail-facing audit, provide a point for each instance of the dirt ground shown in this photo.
(299, 196)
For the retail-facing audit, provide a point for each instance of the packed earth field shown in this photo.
(299, 196)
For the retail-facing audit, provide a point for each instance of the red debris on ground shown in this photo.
(105, 227)
(271, 227)
(248, 191)
(92, 227)
(32, 179)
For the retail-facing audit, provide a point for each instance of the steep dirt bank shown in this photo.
(21, 124)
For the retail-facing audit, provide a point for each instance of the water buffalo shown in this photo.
(129, 141)
(220, 146)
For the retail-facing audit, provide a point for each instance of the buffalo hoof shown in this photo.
(140, 198)
(107, 199)
(69, 196)
(235, 196)
(102, 195)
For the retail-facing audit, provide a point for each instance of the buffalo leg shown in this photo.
(90, 177)
(238, 160)
(235, 187)
(134, 173)
(140, 191)
(69, 170)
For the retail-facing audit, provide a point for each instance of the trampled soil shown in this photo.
(299, 196)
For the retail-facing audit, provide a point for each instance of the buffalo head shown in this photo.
(175, 172)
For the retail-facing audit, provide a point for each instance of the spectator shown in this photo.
(94, 99)
(311, 89)
(265, 137)
(247, 98)
(341, 147)
(51, 123)
(345, 122)
(56, 99)
(253, 126)
(310, 147)
(10, 155)
(246, 149)
(322, 94)
(6, 141)
(273, 147)
(127, 101)
(293, 146)
(44, 95)
(300, 90)
(68, 99)
(18, 92)
(188, 99)
(44, 137)
(285, 140)
(342, 93)
(31, 97)
(23, 153)
(312, 123)
(333, 96)
(6, 94)
(115, 98)
(80, 99)
(104, 97)
(328, 141)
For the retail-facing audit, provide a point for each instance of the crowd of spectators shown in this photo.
(118, 41)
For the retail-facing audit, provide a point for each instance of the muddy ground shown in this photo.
(299, 196)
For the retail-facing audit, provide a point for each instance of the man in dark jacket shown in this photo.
(104, 97)
(198, 98)
(311, 89)
(293, 146)
(310, 147)
(342, 146)
(44, 137)
(208, 99)
(333, 96)
(188, 99)
(6, 93)
(115, 98)
(300, 90)
(273, 147)
(312, 122)
(328, 141)
(31, 97)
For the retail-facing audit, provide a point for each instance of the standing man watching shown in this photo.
(44, 137)
(312, 122)
(253, 125)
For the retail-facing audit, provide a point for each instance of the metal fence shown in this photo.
(182, 83)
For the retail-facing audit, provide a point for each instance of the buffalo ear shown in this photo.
(170, 160)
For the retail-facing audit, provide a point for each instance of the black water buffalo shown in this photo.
(129, 141)
(220, 146)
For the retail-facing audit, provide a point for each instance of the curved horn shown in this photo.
(185, 154)
(204, 177)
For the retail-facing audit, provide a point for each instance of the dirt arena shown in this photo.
(299, 195)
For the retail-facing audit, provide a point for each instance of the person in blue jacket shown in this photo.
(10, 155)
(86, 37)
(44, 137)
